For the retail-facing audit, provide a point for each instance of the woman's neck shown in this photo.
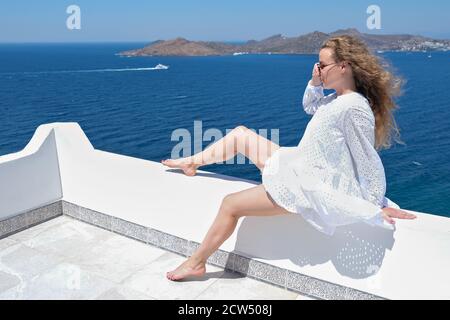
(348, 88)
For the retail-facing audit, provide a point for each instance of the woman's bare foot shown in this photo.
(189, 168)
(187, 269)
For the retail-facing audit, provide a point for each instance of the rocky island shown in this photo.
(278, 44)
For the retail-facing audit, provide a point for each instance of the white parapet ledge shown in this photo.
(411, 262)
(30, 178)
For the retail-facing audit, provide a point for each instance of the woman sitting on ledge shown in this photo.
(334, 176)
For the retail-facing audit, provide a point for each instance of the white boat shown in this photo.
(239, 53)
(161, 66)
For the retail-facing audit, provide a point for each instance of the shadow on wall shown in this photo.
(357, 250)
(213, 175)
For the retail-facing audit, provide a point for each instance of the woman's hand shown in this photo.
(390, 213)
(315, 80)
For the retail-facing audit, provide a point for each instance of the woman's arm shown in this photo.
(358, 128)
(359, 133)
(313, 98)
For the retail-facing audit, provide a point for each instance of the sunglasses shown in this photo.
(322, 66)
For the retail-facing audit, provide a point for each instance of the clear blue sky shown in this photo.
(222, 20)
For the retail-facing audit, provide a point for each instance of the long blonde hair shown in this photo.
(374, 81)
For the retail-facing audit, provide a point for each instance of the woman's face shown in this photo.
(330, 70)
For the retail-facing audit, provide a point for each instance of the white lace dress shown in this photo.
(334, 176)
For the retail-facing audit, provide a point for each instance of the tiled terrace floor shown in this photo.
(67, 259)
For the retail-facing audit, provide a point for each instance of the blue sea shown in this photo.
(126, 108)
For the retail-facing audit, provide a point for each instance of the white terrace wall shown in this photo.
(30, 179)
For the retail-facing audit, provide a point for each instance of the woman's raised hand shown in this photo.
(390, 213)
(315, 80)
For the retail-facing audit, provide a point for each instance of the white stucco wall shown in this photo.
(30, 178)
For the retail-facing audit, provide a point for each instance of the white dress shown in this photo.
(334, 176)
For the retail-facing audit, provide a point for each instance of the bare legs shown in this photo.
(239, 140)
(250, 202)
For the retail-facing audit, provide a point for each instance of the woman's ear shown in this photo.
(344, 66)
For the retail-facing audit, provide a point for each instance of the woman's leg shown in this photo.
(239, 140)
(251, 202)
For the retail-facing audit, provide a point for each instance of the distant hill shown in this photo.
(277, 44)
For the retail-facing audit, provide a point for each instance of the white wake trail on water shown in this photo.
(117, 70)
(84, 71)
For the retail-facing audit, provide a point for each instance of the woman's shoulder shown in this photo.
(354, 102)
(356, 109)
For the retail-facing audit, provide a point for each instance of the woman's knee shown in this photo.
(241, 129)
(229, 205)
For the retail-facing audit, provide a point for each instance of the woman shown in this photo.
(334, 176)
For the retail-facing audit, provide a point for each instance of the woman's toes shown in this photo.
(170, 163)
(184, 271)
(189, 169)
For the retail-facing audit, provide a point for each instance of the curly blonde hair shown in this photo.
(374, 81)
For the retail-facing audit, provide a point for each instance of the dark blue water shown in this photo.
(134, 112)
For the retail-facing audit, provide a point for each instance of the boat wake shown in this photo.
(157, 67)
